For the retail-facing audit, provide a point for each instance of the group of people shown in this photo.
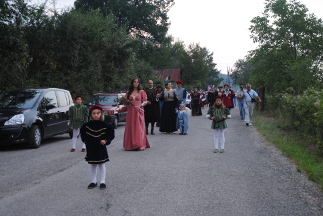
(155, 106)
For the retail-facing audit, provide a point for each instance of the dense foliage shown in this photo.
(93, 48)
(288, 65)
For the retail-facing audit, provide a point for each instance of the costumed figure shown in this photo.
(228, 95)
(211, 96)
(159, 90)
(180, 92)
(78, 115)
(196, 103)
(152, 107)
(97, 134)
(218, 114)
(135, 137)
(168, 116)
(182, 120)
(220, 90)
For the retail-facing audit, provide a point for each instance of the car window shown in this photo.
(49, 98)
(104, 99)
(19, 99)
(68, 98)
(62, 98)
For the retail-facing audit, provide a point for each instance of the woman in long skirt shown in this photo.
(135, 137)
(168, 114)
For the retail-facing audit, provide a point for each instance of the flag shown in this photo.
(228, 77)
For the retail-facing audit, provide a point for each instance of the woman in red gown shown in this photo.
(135, 137)
(228, 96)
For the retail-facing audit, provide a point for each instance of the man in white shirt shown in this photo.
(249, 95)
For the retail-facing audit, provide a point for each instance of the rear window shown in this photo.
(62, 99)
(104, 99)
(19, 99)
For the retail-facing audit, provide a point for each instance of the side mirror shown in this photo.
(50, 106)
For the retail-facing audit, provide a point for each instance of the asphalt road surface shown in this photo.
(178, 175)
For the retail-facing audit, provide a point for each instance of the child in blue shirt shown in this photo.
(182, 120)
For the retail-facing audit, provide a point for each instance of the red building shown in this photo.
(169, 75)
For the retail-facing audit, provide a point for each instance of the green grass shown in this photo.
(292, 145)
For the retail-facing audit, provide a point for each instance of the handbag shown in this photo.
(252, 99)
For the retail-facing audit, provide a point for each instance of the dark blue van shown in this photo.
(31, 115)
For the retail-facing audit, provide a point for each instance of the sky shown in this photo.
(220, 26)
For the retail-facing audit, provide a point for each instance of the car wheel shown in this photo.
(115, 123)
(34, 137)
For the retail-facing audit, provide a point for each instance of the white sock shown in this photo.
(102, 173)
(222, 138)
(216, 134)
(75, 132)
(93, 172)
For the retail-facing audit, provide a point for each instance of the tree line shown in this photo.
(94, 46)
(287, 66)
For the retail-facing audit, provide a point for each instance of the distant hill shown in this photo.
(225, 76)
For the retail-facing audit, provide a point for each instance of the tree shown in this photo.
(290, 50)
(240, 74)
(14, 57)
(142, 18)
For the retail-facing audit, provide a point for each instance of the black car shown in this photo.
(30, 115)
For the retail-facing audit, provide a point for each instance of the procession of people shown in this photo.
(156, 106)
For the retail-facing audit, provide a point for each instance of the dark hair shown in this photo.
(166, 84)
(131, 88)
(77, 96)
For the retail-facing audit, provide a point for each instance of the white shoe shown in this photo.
(250, 124)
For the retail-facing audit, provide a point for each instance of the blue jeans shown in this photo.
(241, 109)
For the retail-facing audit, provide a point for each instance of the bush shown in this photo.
(303, 113)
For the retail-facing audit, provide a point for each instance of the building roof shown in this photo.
(169, 74)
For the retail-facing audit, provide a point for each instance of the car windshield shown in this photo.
(104, 99)
(19, 99)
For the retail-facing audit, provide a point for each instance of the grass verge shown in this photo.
(292, 145)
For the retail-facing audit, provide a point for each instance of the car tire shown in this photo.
(34, 137)
(115, 123)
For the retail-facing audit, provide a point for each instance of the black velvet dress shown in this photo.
(92, 133)
(168, 115)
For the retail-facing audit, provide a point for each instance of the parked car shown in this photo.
(31, 115)
(114, 110)
(188, 100)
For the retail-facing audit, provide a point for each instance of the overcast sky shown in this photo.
(220, 26)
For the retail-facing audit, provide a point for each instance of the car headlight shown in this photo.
(16, 120)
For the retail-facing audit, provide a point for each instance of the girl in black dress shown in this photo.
(97, 134)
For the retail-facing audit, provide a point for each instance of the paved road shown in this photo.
(179, 175)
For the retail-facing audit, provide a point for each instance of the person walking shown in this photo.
(211, 95)
(196, 103)
(78, 115)
(249, 98)
(228, 95)
(152, 107)
(218, 114)
(159, 90)
(135, 137)
(240, 97)
(168, 115)
(97, 134)
(180, 92)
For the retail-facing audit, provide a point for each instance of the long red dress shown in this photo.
(135, 137)
(228, 98)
